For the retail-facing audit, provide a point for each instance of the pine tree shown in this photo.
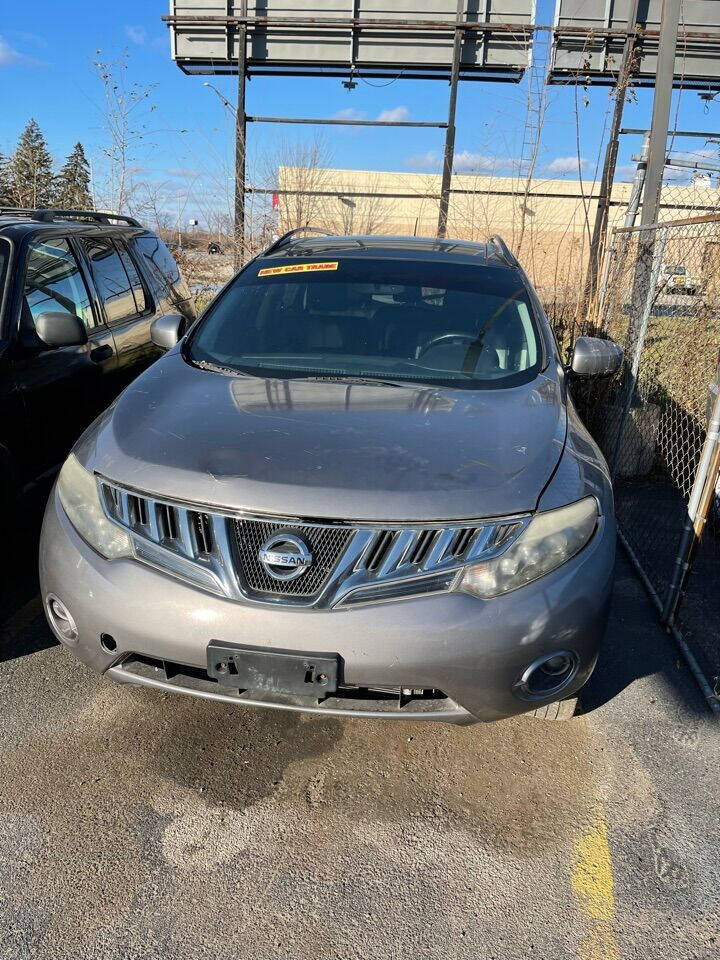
(31, 171)
(6, 193)
(73, 182)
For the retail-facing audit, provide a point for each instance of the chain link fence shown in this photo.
(660, 300)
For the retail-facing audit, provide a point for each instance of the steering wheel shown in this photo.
(471, 338)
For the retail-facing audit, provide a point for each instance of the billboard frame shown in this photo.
(353, 24)
(602, 37)
(237, 29)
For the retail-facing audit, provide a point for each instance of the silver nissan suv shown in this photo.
(357, 486)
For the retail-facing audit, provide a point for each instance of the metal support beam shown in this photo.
(240, 142)
(539, 194)
(703, 165)
(409, 25)
(638, 184)
(349, 123)
(406, 25)
(597, 242)
(704, 134)
(449, 156)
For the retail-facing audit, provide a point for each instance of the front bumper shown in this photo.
(472, 650)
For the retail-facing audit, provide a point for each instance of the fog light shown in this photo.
(547, 676)
(61, 620)
(108, 643)
(557, 665)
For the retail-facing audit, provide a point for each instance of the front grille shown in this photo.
(326, 544)
(351, 563)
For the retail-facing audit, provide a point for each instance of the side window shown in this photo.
(135, 281)
(53, 281)
(4, 258)
(111, 280)
(161, 267)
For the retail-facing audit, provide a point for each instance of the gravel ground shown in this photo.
(137, 825)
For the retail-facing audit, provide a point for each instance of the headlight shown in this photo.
(80, 498)
(550, 540)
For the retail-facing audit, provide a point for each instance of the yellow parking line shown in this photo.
(592, 882)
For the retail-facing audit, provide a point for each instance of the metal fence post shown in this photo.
(701, 495)
(600, 318)
(640, 342)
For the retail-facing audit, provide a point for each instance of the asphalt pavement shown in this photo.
(140, 825)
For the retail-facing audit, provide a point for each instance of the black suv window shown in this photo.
(111, 280)
(135, 281)
(53, 281)
(160, 265)
(4, 257)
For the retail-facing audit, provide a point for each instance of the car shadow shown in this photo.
(23, 628)
(637, 646)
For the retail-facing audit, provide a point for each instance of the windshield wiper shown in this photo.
(217, 367)
(339, 378)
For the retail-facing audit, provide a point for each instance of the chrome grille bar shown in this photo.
(381, 562)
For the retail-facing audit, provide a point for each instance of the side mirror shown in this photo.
(166, 331)
(593, 357)
(57, 328)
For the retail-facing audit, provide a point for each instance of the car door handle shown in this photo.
(98, 354)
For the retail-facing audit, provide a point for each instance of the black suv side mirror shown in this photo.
(57, 328)
(593, 357)
(166, 331)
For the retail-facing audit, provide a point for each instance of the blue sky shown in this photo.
(47, 50)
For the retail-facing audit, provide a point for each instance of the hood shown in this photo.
(331, 450)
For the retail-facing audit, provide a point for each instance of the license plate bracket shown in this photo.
(268, 670)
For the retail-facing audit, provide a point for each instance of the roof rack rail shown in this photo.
(285, 239)
(505, 252)
(51, 214)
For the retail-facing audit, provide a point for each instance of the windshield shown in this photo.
(431, 322)
(675, 268)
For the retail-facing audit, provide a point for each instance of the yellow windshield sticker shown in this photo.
(297, 268)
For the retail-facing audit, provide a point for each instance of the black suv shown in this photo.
(78, 293)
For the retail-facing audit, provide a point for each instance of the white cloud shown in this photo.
(423, 161)
(349, 113)
(468, 162)
(465, 162)
(9, 55)
(33, 38)
(135, 34)
(564, 165)
(676, 173)
(184, 172)
(626, 171)
(395, 115)
(705, 153)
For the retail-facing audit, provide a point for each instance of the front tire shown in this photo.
(560, 710)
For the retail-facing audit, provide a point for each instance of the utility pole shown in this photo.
(656, 156)
(657, 147)
(240, 132)
(597, 243)
(449, 155)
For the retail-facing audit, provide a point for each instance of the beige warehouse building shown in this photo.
(548, 223)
